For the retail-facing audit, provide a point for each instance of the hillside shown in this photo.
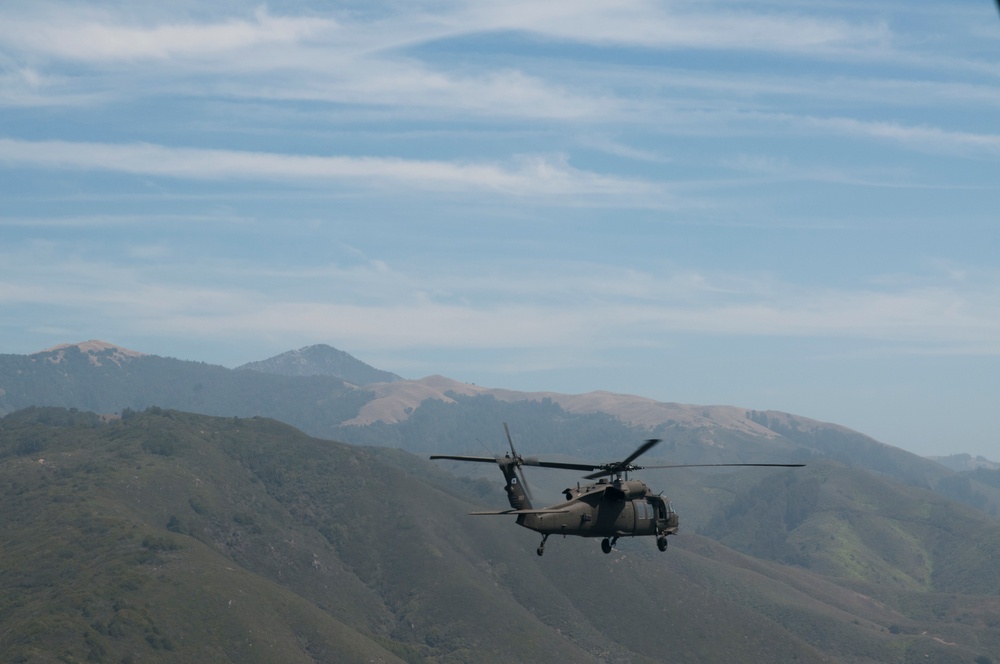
(169, 536)
(258, 545)
(437, 414)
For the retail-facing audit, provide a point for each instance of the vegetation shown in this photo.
(167, 536)
(163, 535)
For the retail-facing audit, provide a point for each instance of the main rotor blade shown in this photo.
(510, 441)
(606, 472)
(709, 465)
(624, 465)
(645, 447)
(454, 457)
(524, 482)
(533, 461)
(518, 462)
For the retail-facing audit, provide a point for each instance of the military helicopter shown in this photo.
(608, 508)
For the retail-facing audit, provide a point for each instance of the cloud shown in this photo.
(110, 221)
(781, 169)
(535, 308)
(63, 54)
(926, 138)
(375, 58)
(403, 83)
(529, 176)
(924, 319)
(658, 26)
(618, 149)
(86, 35)
(65, 30)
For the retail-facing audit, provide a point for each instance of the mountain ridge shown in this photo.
(395, 398)
(395, 401)
(437, 414)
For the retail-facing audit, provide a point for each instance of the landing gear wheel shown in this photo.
(541, 547)
(661, 543)
(606, 545)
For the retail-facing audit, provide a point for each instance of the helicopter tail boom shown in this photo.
(516, 512)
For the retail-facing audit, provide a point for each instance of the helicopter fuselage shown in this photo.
(623, 508)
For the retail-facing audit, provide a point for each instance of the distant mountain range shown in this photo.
(325, 392)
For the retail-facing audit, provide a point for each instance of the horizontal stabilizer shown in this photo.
(502, 512)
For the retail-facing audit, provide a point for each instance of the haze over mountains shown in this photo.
(121, 532)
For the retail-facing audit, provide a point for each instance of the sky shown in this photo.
(772, 204)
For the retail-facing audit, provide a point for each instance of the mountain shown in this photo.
(169, 536)
(966, 462)
(321, 360)
(104, 378)
(437, 414)
(97, 351)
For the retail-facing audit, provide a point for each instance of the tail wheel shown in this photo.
(661, 543)
(606, 545)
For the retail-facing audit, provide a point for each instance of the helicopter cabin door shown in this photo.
(644, 515)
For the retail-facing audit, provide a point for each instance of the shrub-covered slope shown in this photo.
(170, 536)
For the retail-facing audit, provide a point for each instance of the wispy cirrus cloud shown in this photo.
(926, 322)
(374, 58)
(921, 137)
(345, 61)
(88, 35)
(373, 304)
(531, 176)
(677, 25)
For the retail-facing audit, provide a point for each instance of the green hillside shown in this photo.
(932, 561)
(178, 536)
(866, 530)
(98, 567)
(175, 537)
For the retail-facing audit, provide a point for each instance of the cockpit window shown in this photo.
(663, 509)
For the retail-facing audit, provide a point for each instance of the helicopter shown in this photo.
(612, 507)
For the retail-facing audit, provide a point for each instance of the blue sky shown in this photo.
(773, 205)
